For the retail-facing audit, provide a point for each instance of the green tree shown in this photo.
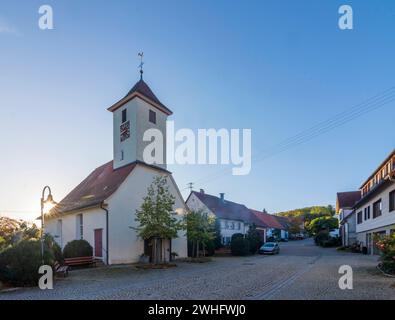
(200, 230)
(295, 225)
(327, 223)
(12, 231)
(254, 239)
(156, 217)
(217, 232)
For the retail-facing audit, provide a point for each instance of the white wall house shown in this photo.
(102, 208)
(233, 217)
(237, 218)
(345, 202)
(375, 212)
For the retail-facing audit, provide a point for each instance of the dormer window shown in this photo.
(152, 116)
(124, 116)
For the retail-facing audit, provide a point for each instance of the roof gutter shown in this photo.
(103, 207)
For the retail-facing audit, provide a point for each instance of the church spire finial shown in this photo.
(141, 54)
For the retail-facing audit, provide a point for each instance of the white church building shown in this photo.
(102, 208)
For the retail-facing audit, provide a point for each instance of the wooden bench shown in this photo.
(79, 261)
(64, 270)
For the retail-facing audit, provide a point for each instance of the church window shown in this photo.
(124, 116)
(80, 227)
(122, 155)
(152, 116)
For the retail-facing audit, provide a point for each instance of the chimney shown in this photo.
(222, 196)
(202, 191)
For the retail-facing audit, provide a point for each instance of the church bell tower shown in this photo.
(137, 112)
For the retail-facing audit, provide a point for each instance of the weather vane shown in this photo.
(141, 54)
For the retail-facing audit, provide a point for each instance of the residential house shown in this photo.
(276, 226)
(234, 217)
(375, 211)
(345, 202)
(102, 208)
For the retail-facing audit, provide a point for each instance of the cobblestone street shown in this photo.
(300, 271)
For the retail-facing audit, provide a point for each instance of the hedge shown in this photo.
(19, 264)
(77, 248)
(239, 246)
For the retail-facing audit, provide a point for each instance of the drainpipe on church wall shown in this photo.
(102, 206)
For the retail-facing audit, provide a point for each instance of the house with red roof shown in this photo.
(345, 202)
(102, 208)
(235, 217)
(276, 226)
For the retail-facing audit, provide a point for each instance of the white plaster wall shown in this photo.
(92, 219)
(387, 218)
(143, 124)
(133, 147)
(125, 246)
(129, 145)
(194, 203)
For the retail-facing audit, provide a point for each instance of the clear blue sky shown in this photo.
(277, 67)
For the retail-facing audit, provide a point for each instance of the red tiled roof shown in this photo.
(269, 220)
(97, 187)
(347, 199)
(224, 209)
(284, 221)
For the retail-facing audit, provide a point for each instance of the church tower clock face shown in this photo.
(124, 131)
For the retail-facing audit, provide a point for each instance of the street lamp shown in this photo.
(46, 206)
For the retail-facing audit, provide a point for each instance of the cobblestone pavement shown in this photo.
(300, 271)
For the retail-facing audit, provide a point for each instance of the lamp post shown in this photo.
(47, 204)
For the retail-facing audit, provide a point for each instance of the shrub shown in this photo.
(321, 237)
(53, 246)
(77, 248)
(237, 235)
(254, 239)
(387, 248)
(331, 242)
(239, 246)
(210, 248)
(19, 264)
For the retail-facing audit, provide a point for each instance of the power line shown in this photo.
(375, 102)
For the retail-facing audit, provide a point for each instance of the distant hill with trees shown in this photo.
(300, 219)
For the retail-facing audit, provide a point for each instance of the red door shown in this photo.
(98, 242)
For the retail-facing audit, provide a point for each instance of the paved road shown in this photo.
(300, 271)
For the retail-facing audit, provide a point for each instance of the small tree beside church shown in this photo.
(157, 222)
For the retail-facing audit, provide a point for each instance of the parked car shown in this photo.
(270, 247)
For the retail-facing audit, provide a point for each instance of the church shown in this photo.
(102, 208)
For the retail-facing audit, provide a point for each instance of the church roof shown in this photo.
(97, 187)
(142, 90)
